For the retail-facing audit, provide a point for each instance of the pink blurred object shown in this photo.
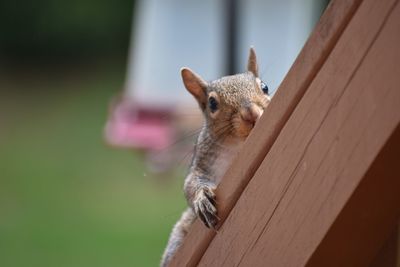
(133, 126)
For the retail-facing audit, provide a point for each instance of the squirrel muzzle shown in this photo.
(251, 113)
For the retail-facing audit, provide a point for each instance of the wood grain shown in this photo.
(293, 87)
(323, 152)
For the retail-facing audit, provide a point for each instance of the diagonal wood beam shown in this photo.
(307, 65)
(319, 164)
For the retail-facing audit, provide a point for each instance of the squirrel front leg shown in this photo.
(200, 194)
(177, 235)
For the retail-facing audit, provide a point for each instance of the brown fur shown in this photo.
(240, 104)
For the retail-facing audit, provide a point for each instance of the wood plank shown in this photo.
(293, 87)
(254, 233)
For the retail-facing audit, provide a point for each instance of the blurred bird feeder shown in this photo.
(167, 35)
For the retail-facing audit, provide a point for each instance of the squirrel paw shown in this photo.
(204, 206)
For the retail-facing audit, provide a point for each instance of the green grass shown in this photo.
(66, 199)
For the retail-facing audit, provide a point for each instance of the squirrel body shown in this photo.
(231, 107)
(223, 160)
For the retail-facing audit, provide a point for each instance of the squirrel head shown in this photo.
(233, 104)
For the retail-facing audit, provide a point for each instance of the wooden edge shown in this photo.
(306, 66)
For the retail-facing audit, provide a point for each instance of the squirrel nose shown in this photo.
(251, 114)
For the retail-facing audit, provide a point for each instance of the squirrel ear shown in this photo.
(195, 85)
(252, 62)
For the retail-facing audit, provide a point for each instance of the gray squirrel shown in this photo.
(231, 106)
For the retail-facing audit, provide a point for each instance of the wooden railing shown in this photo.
(318, 181)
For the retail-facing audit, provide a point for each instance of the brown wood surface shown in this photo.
(295, 84)
(387, 255)
(322, 154)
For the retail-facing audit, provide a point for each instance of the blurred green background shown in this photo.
(66, 199)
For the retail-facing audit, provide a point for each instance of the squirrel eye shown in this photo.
(213, 104)
(264, 87)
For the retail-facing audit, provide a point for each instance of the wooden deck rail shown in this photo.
(318, 182)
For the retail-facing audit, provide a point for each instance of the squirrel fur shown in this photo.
(231, 106)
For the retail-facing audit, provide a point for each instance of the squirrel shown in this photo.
(231, 107)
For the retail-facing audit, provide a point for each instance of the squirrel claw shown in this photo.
(209, 220)
(204, 207)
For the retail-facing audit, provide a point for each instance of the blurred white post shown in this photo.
(167, 35)
(278, 31)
